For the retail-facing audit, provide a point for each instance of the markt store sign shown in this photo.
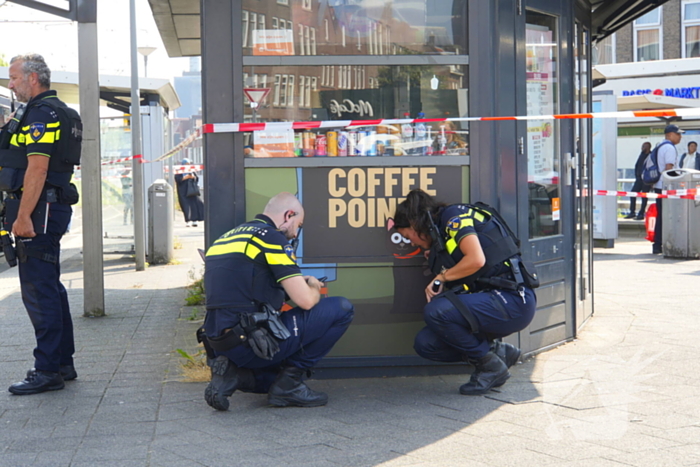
(348, 208)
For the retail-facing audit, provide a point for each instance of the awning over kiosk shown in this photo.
(651, 102)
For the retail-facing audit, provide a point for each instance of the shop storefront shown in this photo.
(321, 60)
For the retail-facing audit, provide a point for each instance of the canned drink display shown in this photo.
(332, 143)
(343, 144)
(352, 143)
(298, 145)
(321, 145)
(371, 143)
(308, 144)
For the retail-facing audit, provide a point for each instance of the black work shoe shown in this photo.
(509, 353)
(36, 382)
(629, 216)
(656, 251)
(639, 217)
(226, 377)
(490, 373)
(68, 372)
(289, 390)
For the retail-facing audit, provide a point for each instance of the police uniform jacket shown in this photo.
(457, 221)
(245, 267)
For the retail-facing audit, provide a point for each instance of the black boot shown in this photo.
(490, 372)
(506, 352)
(288, 389)
(225, 379)
(36, 382)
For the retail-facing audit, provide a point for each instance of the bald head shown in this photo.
(282, 202)
(287, 213)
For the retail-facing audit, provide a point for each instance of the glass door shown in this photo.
(583, 160)
(549, 150)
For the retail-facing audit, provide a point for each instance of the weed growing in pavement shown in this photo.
(195, 291)
(194, 316)
(177, 243)
(194, 367)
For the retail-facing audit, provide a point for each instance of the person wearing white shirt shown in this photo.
(689, 160)
(666, 157)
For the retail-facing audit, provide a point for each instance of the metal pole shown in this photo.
(137, 167)
(88, 78)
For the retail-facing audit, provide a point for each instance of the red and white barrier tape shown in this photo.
(181, 169)
(665, 194)
(283, 126)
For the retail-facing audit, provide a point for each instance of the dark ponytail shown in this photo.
(413, 211)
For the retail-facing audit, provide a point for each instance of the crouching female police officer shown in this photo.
(481, 290)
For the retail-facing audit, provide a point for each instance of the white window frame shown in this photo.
(686, 23)
(246, 27)
(307, 91)
(283, 2)
(645, 27)
(276, 97)
(290, 91)
(613, 45)
(306, 5)
(301, 39)
(313, 41)
(302, 96)
(283, 91)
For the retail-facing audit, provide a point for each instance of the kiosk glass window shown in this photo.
(355, 27)
(310, 93)
(647, 37)
(691, 29)
(542, 135)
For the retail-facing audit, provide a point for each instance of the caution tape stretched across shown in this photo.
(665, 194)
(282, 126)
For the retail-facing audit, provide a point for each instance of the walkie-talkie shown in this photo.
(13, 125)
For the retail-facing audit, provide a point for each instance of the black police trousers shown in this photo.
(448, 337)
(44, 295)
(314, 332)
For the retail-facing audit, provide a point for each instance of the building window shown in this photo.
(647, 37)
(306, 5)
(276, 99)
(301, 39)
(245, 28)
(307, 91)
(283, 2)
(290, 91)
(691, 29)
(604, 51)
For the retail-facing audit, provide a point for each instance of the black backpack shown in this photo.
(651, 172)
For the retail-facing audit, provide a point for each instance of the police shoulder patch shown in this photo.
(37, 130)
(289, 249)
(454, 223)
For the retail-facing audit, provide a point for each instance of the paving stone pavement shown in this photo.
(623, 394)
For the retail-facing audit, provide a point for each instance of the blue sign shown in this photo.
(683, 93)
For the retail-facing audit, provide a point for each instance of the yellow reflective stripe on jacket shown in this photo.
(47, 138)
(235, 244)
(281, 259)
(252, 251)
(267, 245)
(451, 245)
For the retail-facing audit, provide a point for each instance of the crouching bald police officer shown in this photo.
(250, 345)
(39, 147)
(482, 289)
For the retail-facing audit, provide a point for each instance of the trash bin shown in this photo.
(681, 217)
(160, 222)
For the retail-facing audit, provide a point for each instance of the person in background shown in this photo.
(690, 159)
(192, 206)
(639, 186)
(666, 156)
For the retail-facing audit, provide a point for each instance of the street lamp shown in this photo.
(145, 51)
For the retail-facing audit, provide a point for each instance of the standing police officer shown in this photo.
(481, 291)
(40, 146)
(249, 271)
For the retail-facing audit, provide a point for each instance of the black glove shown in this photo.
(263, 344)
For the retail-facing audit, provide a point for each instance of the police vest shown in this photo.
(497, 241)
(14, 161)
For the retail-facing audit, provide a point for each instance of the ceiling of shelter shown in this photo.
(610, 15)
(179, 22)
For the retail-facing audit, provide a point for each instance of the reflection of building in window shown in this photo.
(255, 81)
(283, 2)
(604, 51)
(306, 4)
(647, 37)
(691, 29)
(328, 76)
(251, 22)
